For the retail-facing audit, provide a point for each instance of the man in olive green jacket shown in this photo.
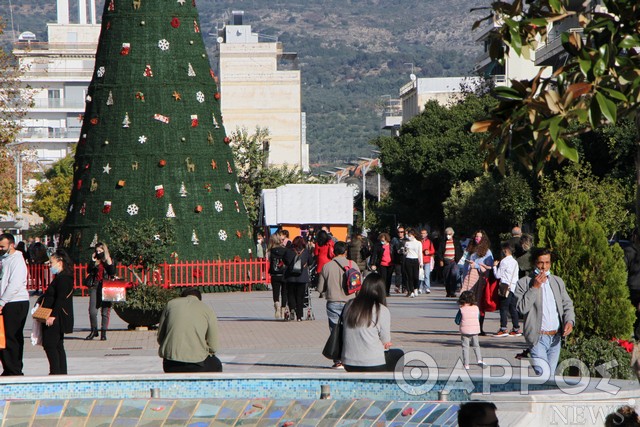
(188, 335)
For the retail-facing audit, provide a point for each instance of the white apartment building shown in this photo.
(58, 71)
(514, 67)
(260, 87)
(415, 94)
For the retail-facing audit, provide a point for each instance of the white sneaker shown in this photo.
(428, 291)
(412, 295)
(419, 291)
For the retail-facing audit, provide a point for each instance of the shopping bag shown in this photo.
(3, 338)
(490, 299)
(333, 347)
(114, 290)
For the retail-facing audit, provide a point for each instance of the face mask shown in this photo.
(537, 271)
(4, 254)
(449, 236)
(478, 239)
(100, 255)
(54, 269)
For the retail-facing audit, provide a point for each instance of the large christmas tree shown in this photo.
(152, 143)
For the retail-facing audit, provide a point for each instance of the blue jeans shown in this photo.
(334, 310)
(425, 285)
(548, 350)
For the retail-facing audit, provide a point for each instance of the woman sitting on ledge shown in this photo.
(367, 330)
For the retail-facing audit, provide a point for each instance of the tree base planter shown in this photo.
(135, 317)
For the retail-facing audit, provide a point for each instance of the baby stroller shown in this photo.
(313, 276)
(308, 309)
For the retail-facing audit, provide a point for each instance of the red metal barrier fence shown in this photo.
(245, 273)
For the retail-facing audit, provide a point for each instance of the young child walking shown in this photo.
(469, 326)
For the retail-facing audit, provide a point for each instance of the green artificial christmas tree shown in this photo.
(152, 143)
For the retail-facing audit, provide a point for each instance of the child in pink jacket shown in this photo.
(469, 326)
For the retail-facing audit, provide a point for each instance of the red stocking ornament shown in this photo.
(159, 191)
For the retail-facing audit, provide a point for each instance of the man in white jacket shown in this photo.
(506, 270)
(14, 304)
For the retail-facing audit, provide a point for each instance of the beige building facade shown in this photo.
(415, 94)
(260, 87)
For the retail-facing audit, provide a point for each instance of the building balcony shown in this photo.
(391, 122)
(44, 48)
(553, 50)
(62, 104)
(66, 74)
(40, 134)
(407, 88)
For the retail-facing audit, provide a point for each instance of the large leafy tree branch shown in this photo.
(52, 194)
(600, 82)
(250, 153)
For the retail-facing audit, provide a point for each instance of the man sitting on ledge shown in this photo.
(188, 335)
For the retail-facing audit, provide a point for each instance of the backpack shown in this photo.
(296, 267)
(277, 266)
(351, 279)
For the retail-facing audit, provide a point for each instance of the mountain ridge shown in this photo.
(353, 54)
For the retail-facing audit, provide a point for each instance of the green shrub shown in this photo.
(596, 351)
(594, 271)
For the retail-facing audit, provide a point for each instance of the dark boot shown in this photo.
(103, 335)
(92, 334)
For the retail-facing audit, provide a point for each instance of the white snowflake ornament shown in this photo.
(142, 139)
(200, 97)
(222, 235)
(101, 71)
(218, 205)
(163, 45)
(132, 209)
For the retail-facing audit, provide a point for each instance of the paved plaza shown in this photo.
(253, 341)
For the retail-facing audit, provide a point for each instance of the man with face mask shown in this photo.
(449, 252)
(548, 313)
(14, 304)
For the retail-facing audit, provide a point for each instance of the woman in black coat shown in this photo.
(59, 298)
(101, 268)
(297, 281)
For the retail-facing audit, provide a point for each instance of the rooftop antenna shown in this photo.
(13, 31)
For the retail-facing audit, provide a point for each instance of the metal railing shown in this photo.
(245, 273)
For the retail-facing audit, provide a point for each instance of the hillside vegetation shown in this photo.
(351, 53)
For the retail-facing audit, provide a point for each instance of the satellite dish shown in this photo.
(220, 39)
(412, 77)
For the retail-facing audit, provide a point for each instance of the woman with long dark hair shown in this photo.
(413, 261)
(478, 262)
(297, 280)
(382, 259)
(59, 298)
(323, 250)
(367, 329)
(101, 267)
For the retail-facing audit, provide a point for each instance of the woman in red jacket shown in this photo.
(323, 250)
